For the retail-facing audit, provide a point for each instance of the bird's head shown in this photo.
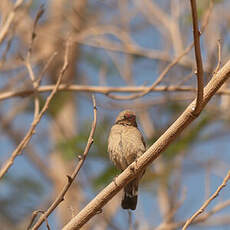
(126, 117)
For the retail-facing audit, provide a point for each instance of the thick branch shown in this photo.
(150, 155)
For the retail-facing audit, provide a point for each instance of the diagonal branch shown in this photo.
(200, 219)
(200, 71)
(71, 178)
(5, 28)
(150, 155)
(36, 120)
(207, 202)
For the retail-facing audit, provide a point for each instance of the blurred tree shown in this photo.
(115, 46)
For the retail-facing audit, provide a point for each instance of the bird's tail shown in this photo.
(129, 200)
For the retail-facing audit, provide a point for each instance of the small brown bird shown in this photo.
(125, 145)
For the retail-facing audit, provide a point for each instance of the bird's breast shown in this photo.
(125, 145)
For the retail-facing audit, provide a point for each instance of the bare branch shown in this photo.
(37, 119)
(71, 178)
(150, 155)
(199, 64)
(28, 63)
(9, 20)
(207, 202)
(30, 153)
(103, 90)
(199, 219)
(219, 56)
(158, 80)
(34, 215)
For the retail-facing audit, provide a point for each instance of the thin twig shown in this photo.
(28, 63)
(200, 73)
(216, 209)
(206, 203)
(219, 57)
(133, 48)
(40, 76)
(155, 83)
(199, 64)
(30, 153)
(35, 122)
(7, 47)
(5, 28)
(34, 215)
(71, 178)
(206, 17)
(198, 220)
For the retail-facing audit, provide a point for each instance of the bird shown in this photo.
(125, 145)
